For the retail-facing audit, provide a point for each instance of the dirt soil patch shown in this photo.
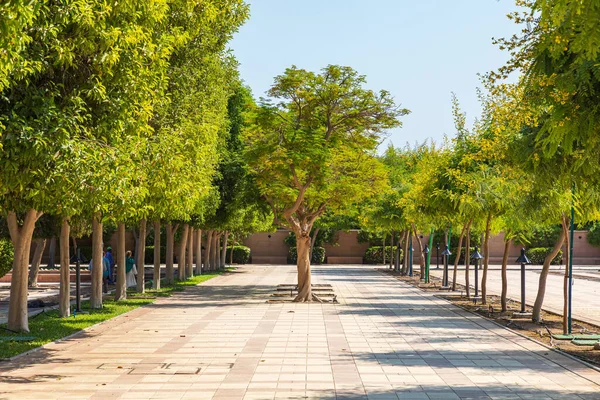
(550, 325)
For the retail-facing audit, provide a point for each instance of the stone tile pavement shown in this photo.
(586, 292)
(221, 340)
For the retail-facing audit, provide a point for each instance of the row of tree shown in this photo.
(530, 160)
(125, 112)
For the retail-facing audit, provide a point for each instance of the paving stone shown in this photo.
(222, 340)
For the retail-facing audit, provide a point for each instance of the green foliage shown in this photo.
(543, 236)
(374, 254)
(593, 235)
(318, 256)
(241, 254)
(312, 147)
(7, 255)
(537, 255)
(374, 239)
(149, 254)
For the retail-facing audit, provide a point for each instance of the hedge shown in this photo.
(241, 254)
(318, 256)
(537, 255)
(149, 255)
(7, 255)
(374, 254)
(461, 260)
(593, 235)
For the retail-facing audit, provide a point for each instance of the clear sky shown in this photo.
(419, 50)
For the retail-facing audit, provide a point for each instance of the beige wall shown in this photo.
(268, 248)
(272, 250)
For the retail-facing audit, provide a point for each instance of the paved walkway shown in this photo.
(586, 293)
(385, 340)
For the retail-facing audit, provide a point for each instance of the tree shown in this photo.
(313, 150)
(557, 55)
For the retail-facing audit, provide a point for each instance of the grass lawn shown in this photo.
(48, 327)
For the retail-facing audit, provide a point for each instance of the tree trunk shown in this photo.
(303, 243)
(121, 288)
(486, 258)
(231, 251)
(539, 300)
(421, 258)
(190, 255)
(224, 250)
(467, 262)
(140, 258)
(136, 241)
(52, 252)
(565, 228)
(170, 273)
(398, 246)
(181, 271)
(382, 252)
(40, 245)
(209, 235)
(406, 250)
(219, 251)
(97, 263)
(213, 252)
(74, 247)
(457, 254)
(64, 297)
(504, 277)
(199, 252)
(156, 274)
(21, 237)
(392, 251)
(313, 241)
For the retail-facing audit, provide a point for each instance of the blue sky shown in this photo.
(419, 50)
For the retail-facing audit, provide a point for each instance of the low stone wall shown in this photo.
(52, 276)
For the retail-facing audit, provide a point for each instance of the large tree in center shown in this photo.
(312, 147)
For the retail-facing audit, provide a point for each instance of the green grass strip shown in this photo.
(47, 327)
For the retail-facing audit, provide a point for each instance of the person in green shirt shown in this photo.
(130, 269)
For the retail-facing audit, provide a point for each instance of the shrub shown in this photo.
(318, 255)
(544, 237)
(593, 236)
(537, 255)
(374, 254)
(7, 255)
(241, 254)
(86, 254)
(149, 255)
(461, 260)
(374, 239)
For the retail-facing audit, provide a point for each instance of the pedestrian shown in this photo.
(105, 272)
(130, 269)
(111, 262)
